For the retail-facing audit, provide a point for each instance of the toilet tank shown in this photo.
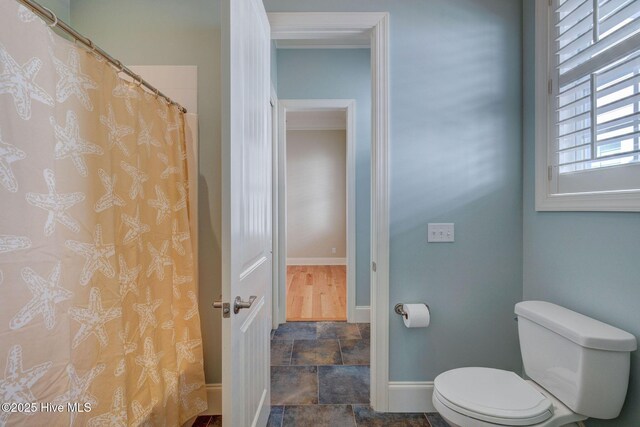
(581, 361)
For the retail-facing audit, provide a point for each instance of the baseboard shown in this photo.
(316, 261)
(214, 399)
(411, 396)
(404, 396)
(361, 314)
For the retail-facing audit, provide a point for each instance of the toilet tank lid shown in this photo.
(580, 329)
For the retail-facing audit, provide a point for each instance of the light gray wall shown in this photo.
(455, 157)
(338, 74)
(316, 193)
(588, 262)
(166, 32)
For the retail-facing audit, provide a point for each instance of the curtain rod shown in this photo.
(55, 22)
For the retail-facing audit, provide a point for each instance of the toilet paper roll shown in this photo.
(418, 315)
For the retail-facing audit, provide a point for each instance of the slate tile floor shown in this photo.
(320, 377)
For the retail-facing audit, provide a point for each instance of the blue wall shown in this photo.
(455, 157)
(588, 262)
(339, 74)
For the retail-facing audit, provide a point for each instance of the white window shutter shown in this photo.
(595, 57)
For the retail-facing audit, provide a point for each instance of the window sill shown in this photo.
(610, 201)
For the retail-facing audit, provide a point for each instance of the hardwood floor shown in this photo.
(316, 293)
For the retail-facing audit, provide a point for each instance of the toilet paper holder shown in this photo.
(399, 310)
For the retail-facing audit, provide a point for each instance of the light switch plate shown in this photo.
(441, 232)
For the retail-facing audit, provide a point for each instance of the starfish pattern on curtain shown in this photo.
(98, 299)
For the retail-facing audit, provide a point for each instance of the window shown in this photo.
(590, 105)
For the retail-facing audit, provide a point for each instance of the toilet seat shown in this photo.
(493, 396)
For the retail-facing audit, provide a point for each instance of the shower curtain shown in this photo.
(99, 321)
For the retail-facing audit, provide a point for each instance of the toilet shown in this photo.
(578, 369)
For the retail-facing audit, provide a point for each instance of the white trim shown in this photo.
(351, 211)
(214, 399)
(337, 25)
(380, 215)
(317, 104)
(411, 396)
(541, 105)
(323, 25)
(316, 261)
(281, 237)
(362, 314)
(347, 43)
(318, 126)
(546, 198)
(618, 201)
(349, 105)
(275, 208)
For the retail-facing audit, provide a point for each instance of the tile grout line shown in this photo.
(318, 383)
(323, 404)
(428, 422)
(291, 354)
(317, 368)
(353, 412)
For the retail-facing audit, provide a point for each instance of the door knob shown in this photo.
(223, 305)
(238, 304)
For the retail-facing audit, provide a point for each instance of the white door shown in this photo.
(246, 217)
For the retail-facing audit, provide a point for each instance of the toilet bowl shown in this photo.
(485, 397)
(578, 369)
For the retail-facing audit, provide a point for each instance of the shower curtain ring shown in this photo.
(138, 80)
(92, 45)
(55, 17)
(157, 93)
(82, 44)
(119, 66)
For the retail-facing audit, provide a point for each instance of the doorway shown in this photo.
(315, 352)
(318, 140)
(340, 30)
(243, 26)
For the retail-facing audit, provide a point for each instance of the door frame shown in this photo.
(331, 28)
(301, 105)
(276, 250)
